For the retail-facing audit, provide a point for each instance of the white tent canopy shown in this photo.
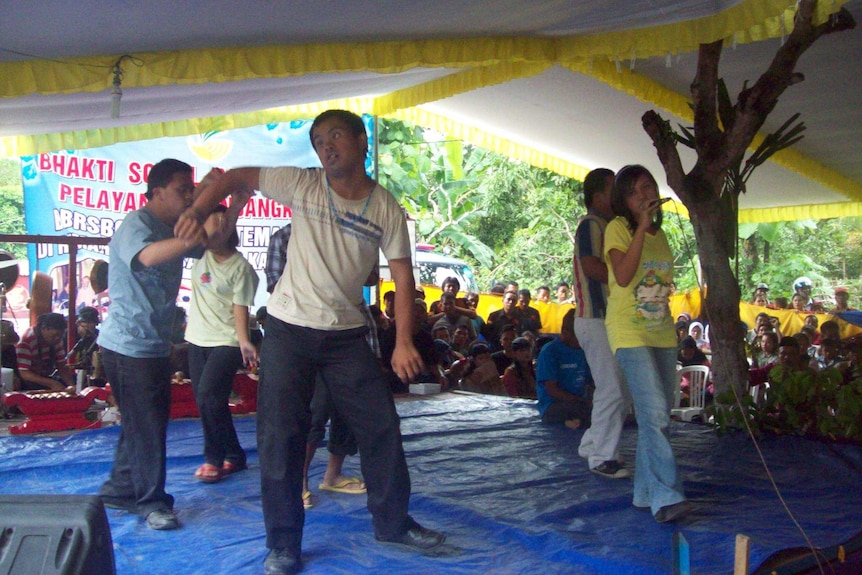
(556, 83)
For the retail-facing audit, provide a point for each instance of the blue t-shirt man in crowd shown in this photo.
(563, 378)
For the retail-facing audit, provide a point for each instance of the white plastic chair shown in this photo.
(698, 376)
(758, 393)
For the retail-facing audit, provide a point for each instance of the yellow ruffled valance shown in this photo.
(474, 63)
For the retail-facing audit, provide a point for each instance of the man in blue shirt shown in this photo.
(146, 270)
(562, 378)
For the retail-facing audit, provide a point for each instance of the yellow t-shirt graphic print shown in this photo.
(639, 314)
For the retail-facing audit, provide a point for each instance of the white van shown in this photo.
(435, 267)
(431, 268)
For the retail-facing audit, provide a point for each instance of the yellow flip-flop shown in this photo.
(307, 503)
(344, 486)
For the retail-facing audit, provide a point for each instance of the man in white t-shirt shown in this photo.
(341, 219)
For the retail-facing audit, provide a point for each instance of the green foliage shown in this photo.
(436, 185)
(509, 220)
(832, 254)
(798, 402)
(12, 205)
(531, 223)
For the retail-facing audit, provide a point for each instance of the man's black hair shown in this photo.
(353, 122)
(594, 184)
(51, 320)
(568, 323)
(162, 173)
(451, 280)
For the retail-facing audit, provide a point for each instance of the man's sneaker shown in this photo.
(162, 520)
(281, 562)
(612, 470)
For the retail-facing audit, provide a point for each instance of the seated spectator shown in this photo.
(441, 331)
(451, 315)
(798, 302)
(500, 319)
(761, 296)
(86, 333)
(563, 294)
(389, 305)
(519, 378)
(827, 356)
(798, 394)
(842, 300)
(472, 299)
(424, 344)
(763, 329)
(690, 354)
(461, 340)
(695, 330)
(9, 337)
(84, 355)
(768, 353)
(477, 373)
(760, 319)
(453, 286)
(446, 358)
(830, 330)
(681, 328)
(850, 367)
(789, 359)
(41, 357)
(780, 303)
(504, 357)
(381, 322)
(789, 362)
(805, 348)
(257, 327)
(813, 322)
(533, 339)
(543, 294)
(563, 379)
(530, 319)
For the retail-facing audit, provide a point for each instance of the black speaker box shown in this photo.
(55, 535)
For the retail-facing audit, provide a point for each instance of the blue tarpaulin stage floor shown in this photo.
(512, 495)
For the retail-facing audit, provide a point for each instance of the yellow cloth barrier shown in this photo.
(689, 301)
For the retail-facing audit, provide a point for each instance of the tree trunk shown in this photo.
(721, 305)
(717, 150)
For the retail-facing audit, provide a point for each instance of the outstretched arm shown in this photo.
(215, 187)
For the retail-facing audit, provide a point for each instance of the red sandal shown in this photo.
(229, 468)
(209, 473)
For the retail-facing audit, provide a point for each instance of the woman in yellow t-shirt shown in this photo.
(641, 334)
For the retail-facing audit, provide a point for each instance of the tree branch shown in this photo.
(756, 103)
(707, 134)
(664, 140)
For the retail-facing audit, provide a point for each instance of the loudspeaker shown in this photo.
(55, 534)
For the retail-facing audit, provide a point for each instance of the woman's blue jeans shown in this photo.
(651, 376)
